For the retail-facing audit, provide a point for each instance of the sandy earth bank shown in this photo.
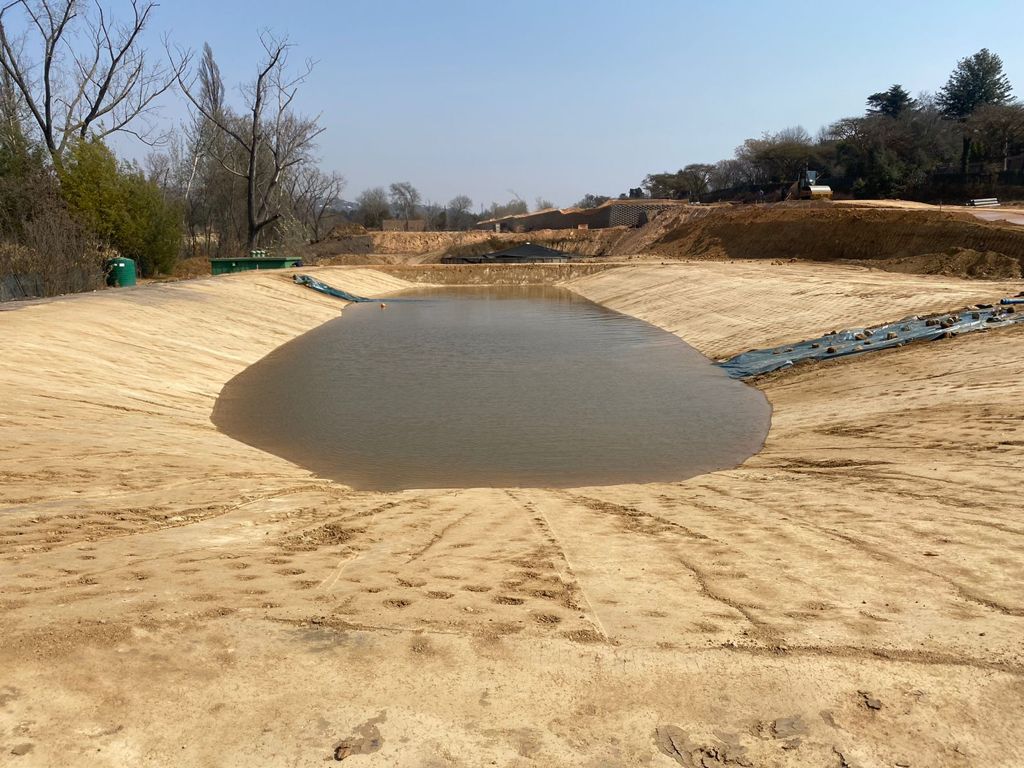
(849, 597)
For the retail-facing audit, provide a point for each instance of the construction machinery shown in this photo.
(808, 188)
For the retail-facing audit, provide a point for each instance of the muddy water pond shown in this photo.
(528, 386)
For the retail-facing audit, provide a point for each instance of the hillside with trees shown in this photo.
(965, 140)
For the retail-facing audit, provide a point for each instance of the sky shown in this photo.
(562, 98)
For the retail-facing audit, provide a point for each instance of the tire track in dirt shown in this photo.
(540, 520)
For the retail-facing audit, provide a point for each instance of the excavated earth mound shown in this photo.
(914, 240)
(822, 232)
(954, 262)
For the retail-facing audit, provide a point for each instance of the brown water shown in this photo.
(529, 386)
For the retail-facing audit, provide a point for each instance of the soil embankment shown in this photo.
(427, 247)
(849, 596)
(495, 274)
(917, 240)
(906, 240)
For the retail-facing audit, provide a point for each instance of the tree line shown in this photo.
(403, 202)
(241, 173)
(893, 149)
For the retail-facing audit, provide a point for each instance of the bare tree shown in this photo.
(313, 193)
(405, 200)
(458, 216)
(268, 140)
(373, 207)
(79, 71)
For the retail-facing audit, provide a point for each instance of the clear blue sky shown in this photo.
(558, 99)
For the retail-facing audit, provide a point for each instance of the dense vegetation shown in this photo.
(236, 176)
(901, 146)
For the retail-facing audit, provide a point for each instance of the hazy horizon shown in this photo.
(556, 102)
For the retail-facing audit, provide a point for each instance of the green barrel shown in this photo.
(120, 272)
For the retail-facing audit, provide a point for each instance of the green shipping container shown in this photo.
(120, 272)
(244, 264)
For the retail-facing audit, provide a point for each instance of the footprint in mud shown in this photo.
(506, 600)
(584, 636)
(422, 647)
(364, 741)
(398, 603)
(547, 618)
(290, 571)
(439, 595)
(409, 583)
(476, 588)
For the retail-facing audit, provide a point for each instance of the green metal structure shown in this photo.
(255, 260)
(120, 272)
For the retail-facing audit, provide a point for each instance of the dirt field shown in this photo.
(851, 596)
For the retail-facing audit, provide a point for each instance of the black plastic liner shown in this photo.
(858, 341)
(316, 285)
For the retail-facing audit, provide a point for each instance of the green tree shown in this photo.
(592, 201)
(891, 103)
(997, 128)
(91, 183)
(120, 207)
(977, 80)
(151, 231)
(665, 186)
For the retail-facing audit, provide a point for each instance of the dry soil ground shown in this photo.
(851, 596)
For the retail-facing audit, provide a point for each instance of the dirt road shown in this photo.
(851, 596)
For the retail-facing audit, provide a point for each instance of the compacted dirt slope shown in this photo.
(911, 238)
(851, 596)
(827, 232)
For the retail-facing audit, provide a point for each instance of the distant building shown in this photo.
(527, 253)
(404, 225)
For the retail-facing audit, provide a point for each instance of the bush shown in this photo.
(44, 251)
(123, 209)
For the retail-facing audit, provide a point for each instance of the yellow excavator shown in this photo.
(808, 188)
